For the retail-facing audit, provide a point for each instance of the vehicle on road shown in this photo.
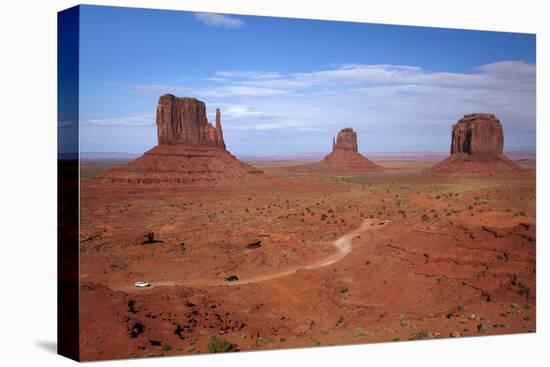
(141, 284)
(231, 278)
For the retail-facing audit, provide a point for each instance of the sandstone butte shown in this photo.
(477, 142)
(190, 151)
(344, 157)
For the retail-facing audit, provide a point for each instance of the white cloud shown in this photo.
(241, 112)
(161, 89)
(386, 104)
(224, 74)
(360, 73)
(219, 20)
(224, 91)
(496, 75)
(276, 125)
(239, 91)
(134, 120)
(277, 83)
(509, 74)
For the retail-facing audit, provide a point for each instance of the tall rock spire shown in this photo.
(219, 132)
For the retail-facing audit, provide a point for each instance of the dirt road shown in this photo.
(343, 244)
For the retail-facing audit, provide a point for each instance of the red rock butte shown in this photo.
(477, 142)
(183, 121)
(344, 157)
(190, 151)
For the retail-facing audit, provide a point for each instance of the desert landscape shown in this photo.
(300, 252)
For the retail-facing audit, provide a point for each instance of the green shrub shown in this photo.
(420, 335)
(219, 345)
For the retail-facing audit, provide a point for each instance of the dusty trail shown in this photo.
(343, 244)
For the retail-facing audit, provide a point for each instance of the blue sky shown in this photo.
(288, 85)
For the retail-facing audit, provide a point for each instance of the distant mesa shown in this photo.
(190, 151)
(477, 143)
(344, 157)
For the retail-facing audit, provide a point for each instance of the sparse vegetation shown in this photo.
(219, 345)
(422, 334)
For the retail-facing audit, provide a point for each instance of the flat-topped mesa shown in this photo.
(477, 149)
(345, 140)
(477, 133)
(182, 120)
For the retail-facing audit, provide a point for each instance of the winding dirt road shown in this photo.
(343, 244)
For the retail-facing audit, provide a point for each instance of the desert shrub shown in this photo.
(317, 342)
(166, 347)
(219, 345)
(420, 335)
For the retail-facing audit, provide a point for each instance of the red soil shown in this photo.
(458, 258)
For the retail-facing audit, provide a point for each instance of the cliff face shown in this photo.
(183, 121)
(345, 140)
(477, 133)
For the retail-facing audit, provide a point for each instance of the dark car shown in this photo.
(231, 278)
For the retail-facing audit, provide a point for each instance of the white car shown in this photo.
(141, 284)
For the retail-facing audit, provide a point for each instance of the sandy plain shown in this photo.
(420, 257)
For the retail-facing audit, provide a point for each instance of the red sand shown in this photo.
(457, 258)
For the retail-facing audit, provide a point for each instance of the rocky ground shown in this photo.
(456, 259)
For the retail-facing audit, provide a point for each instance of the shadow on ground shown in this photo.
(50, 346)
